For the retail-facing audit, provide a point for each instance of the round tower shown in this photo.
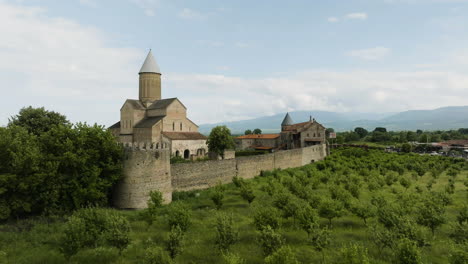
(150, 81)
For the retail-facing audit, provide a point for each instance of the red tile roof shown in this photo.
(260, 136)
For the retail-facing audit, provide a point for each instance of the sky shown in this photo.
(233, 60)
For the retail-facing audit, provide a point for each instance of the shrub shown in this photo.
(238, 181)
(217, 196)
(179, 215)
(92, 227)
(266, 216)
(247, 193)
(284, 255)
(269, 240)
(408, 253)
(231, 258)
(156, 255)
(353, 254)
(174, 241)
(226, 235)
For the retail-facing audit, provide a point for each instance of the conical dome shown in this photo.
(150, 65)
(287, 121)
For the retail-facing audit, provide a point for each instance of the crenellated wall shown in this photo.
(147, 168)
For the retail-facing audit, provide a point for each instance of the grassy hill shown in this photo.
(394, 187)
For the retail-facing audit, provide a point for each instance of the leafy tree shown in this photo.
(362, 132)
(217, 196)
(257, 131)
(175, 241)
(380, 129)
(307, 218)
(406, 148)
(330, 209)
(284, 255)
(459, 254)
(462, 216)
(431, 214)
(38, 120)
(363, 211)
(248, 132)
(179, 215)
(154, 202)
(231, 258)
(219, 140)
(269, 240)
(247, 193)
(320, 239)
(156, 255)
(226, 235)
(408, 253)
(353, 254)
(238, 181)
(266, 216)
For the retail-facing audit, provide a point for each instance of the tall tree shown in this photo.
(362, 132)
(219, 140)
(38, 120)
(248, 132)
(257, 131)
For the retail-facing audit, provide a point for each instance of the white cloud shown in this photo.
(62, 65)
(333, 19)
(360, 16)
(190, 14)
(148, 6)
(371, 54)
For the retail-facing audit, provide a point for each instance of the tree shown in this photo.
(248, 132)
(363, 211)
(431, 214)
(320, 239)
(269, 240)
(217, 196)
(266, 216)
(405, 147)
(284, 255)
(226, 235)
(154, 202)
(174, 242)
(408, 252)
(179, 215)
(380, 129)
(219, 140)
(354, 254)
(257, 131)
(247, 193)
(330, 209)
(307, 218)
(361, 132)
(38, 120)
(156, 255)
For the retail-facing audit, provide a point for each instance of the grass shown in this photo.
(37, 240)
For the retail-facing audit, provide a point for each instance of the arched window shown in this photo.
(186, 154)
(177, 153)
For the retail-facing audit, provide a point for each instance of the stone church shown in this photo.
(161, 122)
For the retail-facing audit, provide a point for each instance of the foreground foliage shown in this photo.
(356, 206)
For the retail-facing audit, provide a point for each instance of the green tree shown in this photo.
(330, 209)
(248, 132)
(284, 255)
(154, 203)
(408, 253)
(156, 255)
(353, 254)
(406, 148)
(380, 129)
(307, 218)
(320, 239)
(38, 120)
(217, 196)
(431, 214)
(219, 140)
(174, 243)
(179, 215)
(247, 193)
(226, 235)
(362, 132)
(266, 216)
(363, 210)
(257, 131)
(269, 240)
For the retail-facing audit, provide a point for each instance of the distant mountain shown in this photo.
(445, 118)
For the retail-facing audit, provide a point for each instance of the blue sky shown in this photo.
(233, 60)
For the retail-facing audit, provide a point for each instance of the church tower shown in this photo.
(150, 81)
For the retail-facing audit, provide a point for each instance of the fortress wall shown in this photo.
(313, 154)
(201, 175)
(288, 159)
(143, 171)
(251, 166)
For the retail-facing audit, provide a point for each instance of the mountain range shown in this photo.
(445, 118)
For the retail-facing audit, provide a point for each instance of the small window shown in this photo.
(319, 134)
(173, 126)
(180, 126)
(307, 134)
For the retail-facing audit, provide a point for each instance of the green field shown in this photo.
(394, 187)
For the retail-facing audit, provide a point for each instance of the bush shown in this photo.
(231, 258)
(238, 181)
(226, 235)
(156, 255)
(179, 215)
(247, 193)
(283, 255)
(353, 254)
(100, 255)
(92, 227)
(407, 252)
(266, 217)
(217, 196)
(269, 240)
(174, 242)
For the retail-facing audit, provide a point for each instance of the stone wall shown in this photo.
(147, 170)
(201, 175)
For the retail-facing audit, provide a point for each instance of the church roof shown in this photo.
(184, 135)
(148, 122)
(287, 121)
(150, 65)
(259, 136)
(164, 103)
(116, 125)
(136, 104)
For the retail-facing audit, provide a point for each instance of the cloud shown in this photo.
(148, 6)
(359, 16)
(371, 54)
(190, 14)
(62, 65)
(333, 19)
